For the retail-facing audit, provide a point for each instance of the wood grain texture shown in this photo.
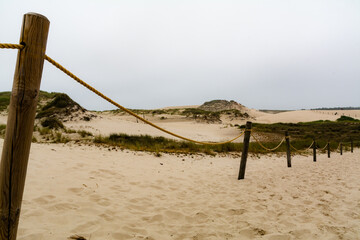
(20, 124)
(245, 151)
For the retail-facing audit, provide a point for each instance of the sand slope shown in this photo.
(306, 116)
(102, 194)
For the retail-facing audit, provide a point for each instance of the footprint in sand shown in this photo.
(156, 218)
(121, 236)
(236, 211)
(63, 206)
(133, 230)
(46, 199)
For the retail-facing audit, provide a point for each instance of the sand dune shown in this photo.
(102, 194)
(306, 116)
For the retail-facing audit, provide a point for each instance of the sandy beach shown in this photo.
(102, 194)
(107, 193)
(129, 120)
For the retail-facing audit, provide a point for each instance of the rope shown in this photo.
(67, 72)
(321, 149)
(338, 146)
(11, 46)
(268, 149)
(57, 65)
(303, 149)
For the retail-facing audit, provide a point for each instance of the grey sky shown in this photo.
(151, 53)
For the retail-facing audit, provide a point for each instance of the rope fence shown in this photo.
(27, 80)
(89, 87)
(303, 150)
(268, 149)
(100, 94)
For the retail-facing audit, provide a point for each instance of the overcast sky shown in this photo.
(278, 54)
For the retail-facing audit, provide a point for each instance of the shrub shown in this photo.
(52, 123)
(346, 118)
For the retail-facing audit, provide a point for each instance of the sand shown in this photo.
(108, 123)
(306, 116)
(102, 194)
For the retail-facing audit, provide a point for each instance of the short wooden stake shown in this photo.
(352, 146)
(328, 149)
(20, 123)
(288, 153)
(314, 150)
(245, 151)
(341, 148)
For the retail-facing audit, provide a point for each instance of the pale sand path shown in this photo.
(109, 123)
(103, 194)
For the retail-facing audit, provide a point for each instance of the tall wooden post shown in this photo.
(20, 123)
(341, 148)
(328, 149)
(245, 151)
(314, 150)
(352, 146)
(288, 153)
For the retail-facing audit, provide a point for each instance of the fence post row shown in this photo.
(20, 123)
(314, 150)
(245, 151)
(328, 149)
(288, 153)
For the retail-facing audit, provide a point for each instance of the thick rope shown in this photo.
(11, 46)
(303, 149)
(268, 149)
(127, 110)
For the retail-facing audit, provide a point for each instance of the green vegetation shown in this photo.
(197, 113)
(2, 130)
(347, 119)
(152, 112)
(84, 133)
(302, 135)
(52, 123)
(161, 144)
(61, 104)
(4, 100)
(320, 130)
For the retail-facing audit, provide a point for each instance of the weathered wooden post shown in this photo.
(341, 148)
(314, 150)
(20, 123)
(245, 151)
(288, 153)
(352, 146)
(328, 149)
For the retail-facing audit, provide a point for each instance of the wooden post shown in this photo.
(314, 150)
(288, 153)
(352, 146)
(341, 148)
(20, 123)
(328, 149)
(245, 151)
